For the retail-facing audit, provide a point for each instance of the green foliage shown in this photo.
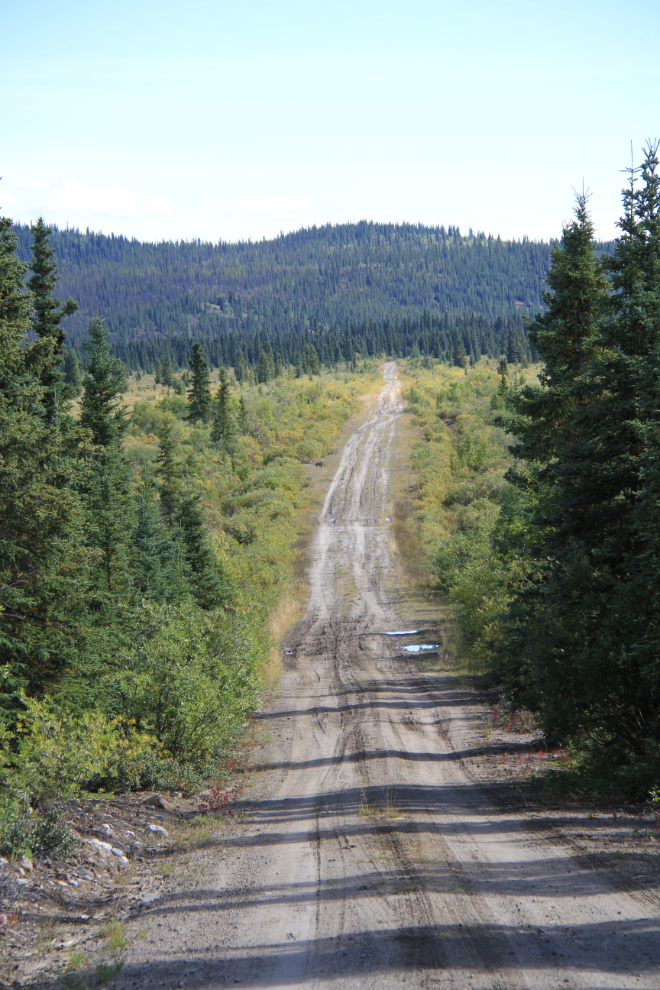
(460, 459)
(200, 560)
(139, 563)
(327, 276)
(26, 832)
(199, 393)
(72, 372)
(188, 678)
(167, 470)
(557, 582)
(100, 411)
(58, 754)
(584, 634)
(40, 513)
(47, 317)
(224, 429)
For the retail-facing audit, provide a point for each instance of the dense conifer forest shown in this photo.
(364, 289)
(320, 277)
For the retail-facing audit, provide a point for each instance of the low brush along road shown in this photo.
(368, 854)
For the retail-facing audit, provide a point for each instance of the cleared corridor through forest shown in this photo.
(368, 856)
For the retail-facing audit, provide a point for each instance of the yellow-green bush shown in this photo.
(460, 459)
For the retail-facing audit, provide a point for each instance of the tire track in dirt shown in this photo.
(440, 888)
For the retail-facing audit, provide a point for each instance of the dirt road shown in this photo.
(370, 855)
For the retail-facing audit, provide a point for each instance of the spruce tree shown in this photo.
(586, 623)
(48, 316)
(167, 372)
(110, 520)
(72, 372)
(613, 484)
(545, 629)
(642, 590)
(42, 566)
(199, 393)
(263, 368)
(168, 471)
(503, 372)
(208, 590)
(155, 553)
(100, 411)
(107, 491)
(223, 430)
(243, 417)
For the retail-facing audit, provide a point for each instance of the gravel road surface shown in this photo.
(369, 854)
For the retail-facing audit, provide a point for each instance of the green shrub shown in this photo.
(24, 831)
(188, 678)
(58, 754)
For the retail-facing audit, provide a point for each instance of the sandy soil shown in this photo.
(375, 847)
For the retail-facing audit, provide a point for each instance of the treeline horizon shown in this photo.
(326, 280)
(464, 341)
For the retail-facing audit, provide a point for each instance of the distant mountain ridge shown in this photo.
(317, 277)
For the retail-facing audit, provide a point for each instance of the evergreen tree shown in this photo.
(100, 411)
(207, 588)
(48, 316)
(263, 368)
(156, 553)
(243, 417)
(199, 393)
(107, 492)
(585, 628)
(240, 367)
(168, 471)
(612, 483)
(72, 372)
(223, 430)
(110, 512)
(459, 357)
(503, 371)
(642, 591)
(514, 348)
(312, 360)
(42, 567)
(544, 630)
(167, 372)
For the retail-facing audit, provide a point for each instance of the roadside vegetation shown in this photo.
(147, 532)
(148, 522)
(460, 462)
(539, 504)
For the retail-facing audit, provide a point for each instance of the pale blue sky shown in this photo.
(233, 120)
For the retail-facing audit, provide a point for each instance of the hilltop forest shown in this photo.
(365, 289)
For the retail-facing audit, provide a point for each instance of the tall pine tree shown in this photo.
(199, 393)
(48, 315)
(223, 431)
(546, 619)
(42, 567)
(108, 490)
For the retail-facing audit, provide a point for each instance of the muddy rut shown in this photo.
(369, 856)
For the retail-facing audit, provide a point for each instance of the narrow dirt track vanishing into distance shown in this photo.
(369, 856)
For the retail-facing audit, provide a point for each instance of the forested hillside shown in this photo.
(326, 276)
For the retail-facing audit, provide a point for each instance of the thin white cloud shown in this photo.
(279, 205)
(77, 199)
